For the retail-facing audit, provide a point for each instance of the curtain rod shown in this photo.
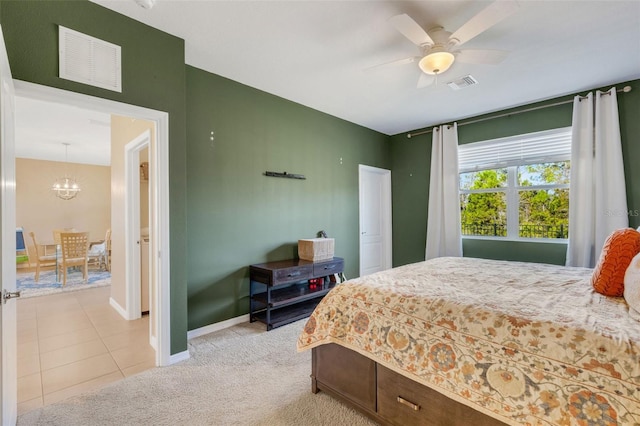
(625, 89)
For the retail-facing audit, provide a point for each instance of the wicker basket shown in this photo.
(316, 249)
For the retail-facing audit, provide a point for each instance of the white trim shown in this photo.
(8, 311)
(159, 221)
(211, 328)
(119, 309)
(153, 341)
(132, 222)
(159, 246)
(179, 357)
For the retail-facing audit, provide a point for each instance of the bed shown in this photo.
(477, 342)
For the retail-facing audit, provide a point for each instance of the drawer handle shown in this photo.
(414, 407)
(294, 274)
(329, 267)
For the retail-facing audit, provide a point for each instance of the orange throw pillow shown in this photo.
(618, 251)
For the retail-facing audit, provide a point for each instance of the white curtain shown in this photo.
(610, 194)
(580, 251)
(598, 197)
(443, 223)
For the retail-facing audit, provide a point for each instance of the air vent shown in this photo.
(462, 82)
(89, 60)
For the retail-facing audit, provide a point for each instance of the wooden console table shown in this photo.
(280, 292)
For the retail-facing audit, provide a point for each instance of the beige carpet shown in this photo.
(239, 376)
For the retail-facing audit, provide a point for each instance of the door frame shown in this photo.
(386, 214)
(8, 311)
(132, 221)
(159, 186)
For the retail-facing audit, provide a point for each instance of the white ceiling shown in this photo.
(42, 129)
(315, 53)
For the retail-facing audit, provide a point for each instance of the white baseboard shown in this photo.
(217, 326)
(180, 356)
(119, 309)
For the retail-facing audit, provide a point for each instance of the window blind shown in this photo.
(532, 148)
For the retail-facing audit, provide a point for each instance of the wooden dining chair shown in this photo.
(42, 259)
(57, 232)
(99, 251)
(75, 252)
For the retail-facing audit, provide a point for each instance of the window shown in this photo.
(516, 187)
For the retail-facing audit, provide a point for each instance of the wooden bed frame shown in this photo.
(384, 395)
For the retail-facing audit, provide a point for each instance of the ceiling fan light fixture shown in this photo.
(436, 62)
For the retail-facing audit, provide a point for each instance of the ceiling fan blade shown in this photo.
(489, 57)
(397, 62)
(410, 29)
(425, 80)
(487, 18)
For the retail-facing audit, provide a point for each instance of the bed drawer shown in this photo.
(402, 401)
(345, 373)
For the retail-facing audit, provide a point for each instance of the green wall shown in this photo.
(236, 215)
(411, 160)
(153, 76)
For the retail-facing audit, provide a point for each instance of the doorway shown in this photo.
(159, 216)
(375, 219)
(159, 184)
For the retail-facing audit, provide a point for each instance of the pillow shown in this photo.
(618, 250)
(632, 287)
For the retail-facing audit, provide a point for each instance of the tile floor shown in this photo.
(75, 342)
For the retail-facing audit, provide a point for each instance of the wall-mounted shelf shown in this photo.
(284, 175)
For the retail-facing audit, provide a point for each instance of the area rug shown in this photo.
(239, 376)
(48, 283)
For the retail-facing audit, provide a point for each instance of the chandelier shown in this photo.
(65, 188)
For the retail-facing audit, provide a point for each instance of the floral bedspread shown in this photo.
(525, 343)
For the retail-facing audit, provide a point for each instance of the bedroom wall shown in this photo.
(411, 159)
(153, 76)
(236, 215)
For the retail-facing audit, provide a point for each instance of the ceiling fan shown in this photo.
(439, 48)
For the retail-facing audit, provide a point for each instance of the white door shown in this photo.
(9, 389)
(375, 219)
